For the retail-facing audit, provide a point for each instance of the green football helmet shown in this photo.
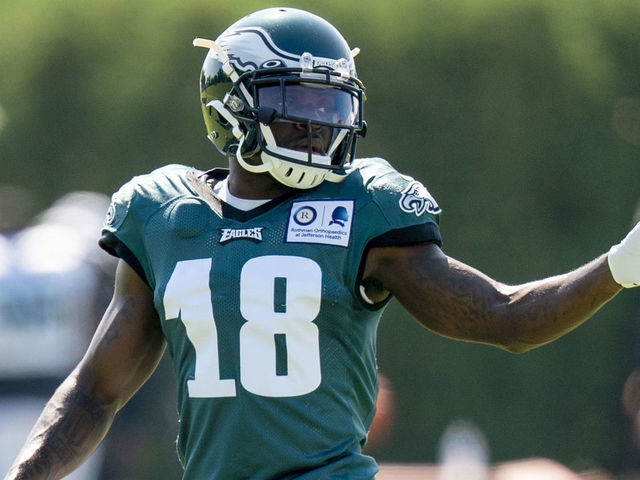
(282, 66)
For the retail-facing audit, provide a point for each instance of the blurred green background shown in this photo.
(521, 116)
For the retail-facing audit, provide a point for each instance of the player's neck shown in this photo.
(248, 185)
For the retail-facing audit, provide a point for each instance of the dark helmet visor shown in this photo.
(318, 103)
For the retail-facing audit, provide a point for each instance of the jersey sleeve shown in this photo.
(123, 233)
(394, 210)
(406, 212)
(122, 230)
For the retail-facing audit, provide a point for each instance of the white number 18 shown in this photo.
(188, 296)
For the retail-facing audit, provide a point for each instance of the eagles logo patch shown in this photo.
(417, 199)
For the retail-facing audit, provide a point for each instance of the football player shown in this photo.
(266, 280)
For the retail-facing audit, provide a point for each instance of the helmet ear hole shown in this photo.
(221, 120)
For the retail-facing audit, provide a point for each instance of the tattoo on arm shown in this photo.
(125, 349)
(69, 429)
(458, 301)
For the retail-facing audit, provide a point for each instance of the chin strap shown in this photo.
(236, 129)
(211, 45)
(227, 68)
(263, 167)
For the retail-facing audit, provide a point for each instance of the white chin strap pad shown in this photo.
(288, 173)
(260, 168)
(624, 259)
(293, 175)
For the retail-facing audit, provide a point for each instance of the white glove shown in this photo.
(624, 259)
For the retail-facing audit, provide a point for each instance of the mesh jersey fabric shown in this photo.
(272, 344)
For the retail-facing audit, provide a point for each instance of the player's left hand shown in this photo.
(624, 259)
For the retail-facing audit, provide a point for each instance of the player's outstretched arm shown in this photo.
(457, 301)
(125, 350)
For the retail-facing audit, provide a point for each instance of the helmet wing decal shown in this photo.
(248, 47)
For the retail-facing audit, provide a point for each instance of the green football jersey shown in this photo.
(272, 341)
